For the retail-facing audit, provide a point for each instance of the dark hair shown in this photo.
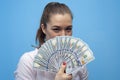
(50, 9)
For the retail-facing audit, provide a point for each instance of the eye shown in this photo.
(69, 29)
(56, 29)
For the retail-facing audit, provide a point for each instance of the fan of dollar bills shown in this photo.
(75, 52)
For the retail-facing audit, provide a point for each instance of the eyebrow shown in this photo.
(60, 26)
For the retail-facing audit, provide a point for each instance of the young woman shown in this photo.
(56, 20)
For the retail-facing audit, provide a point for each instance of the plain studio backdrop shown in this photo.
(97, 22)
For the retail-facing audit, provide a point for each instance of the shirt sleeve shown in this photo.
(24, 69)
(80, 74)
(84, 73)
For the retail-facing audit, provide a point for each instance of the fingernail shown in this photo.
(64, 63)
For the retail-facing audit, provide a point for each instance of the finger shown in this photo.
(63, 67)
(69, 77)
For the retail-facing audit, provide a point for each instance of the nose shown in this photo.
(63, 33)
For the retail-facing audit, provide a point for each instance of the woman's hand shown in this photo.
(61, 75)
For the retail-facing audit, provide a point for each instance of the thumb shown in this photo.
(63, 67)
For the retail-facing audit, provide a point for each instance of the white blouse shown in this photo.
(25, 70)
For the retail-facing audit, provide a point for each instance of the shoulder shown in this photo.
(29, 56)
(26, 60)
(25, 66)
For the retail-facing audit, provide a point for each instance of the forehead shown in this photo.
(60, 19)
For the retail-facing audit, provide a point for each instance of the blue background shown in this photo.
(97, 22)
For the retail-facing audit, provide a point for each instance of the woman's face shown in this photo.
(59, 25)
